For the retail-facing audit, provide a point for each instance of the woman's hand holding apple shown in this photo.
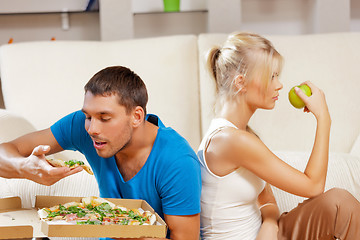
(294, 99)
(316, 103)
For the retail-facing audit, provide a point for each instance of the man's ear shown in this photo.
(138, 115)
(239, 83)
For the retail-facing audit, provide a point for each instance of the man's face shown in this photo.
(107, 123)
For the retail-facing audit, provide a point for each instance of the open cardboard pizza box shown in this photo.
(16, 222)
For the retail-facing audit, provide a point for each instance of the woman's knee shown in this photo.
(336, 198)
(338, 195)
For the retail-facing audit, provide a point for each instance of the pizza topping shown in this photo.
(70, 164)
(74, 163)
(97, 211)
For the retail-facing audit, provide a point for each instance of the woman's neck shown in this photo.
(237, 113)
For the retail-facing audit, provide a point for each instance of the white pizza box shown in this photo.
(16, 222)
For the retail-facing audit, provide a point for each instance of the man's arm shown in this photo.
(24, 157)
(185, 227)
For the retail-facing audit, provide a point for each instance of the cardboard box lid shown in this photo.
(16, 222)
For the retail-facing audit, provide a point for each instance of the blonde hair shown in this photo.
(246, 54)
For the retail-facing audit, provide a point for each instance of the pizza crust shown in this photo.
(62, 163)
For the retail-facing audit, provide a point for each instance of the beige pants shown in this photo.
(334, 214)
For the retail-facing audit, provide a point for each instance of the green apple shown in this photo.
(295, 100)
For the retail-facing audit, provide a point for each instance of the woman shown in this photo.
(237, 168)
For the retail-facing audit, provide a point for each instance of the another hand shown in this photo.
(268, 231)
(36, 168)
(316, 103)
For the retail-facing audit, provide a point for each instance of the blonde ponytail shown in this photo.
(212, 57)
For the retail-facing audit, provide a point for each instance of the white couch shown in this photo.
(43, 81)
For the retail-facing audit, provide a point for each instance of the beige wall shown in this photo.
(42, 27)
(264, 17)
(161, 24)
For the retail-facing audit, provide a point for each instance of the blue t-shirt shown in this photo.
(170, 180)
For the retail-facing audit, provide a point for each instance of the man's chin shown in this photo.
(103, 154)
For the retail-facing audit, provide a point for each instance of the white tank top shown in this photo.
(228, 204)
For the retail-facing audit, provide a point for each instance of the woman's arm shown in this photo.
(237, 148)
(316, 168)
(270, 215)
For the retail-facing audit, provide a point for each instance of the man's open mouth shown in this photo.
(99, 144)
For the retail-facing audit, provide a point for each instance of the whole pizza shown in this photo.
(96, 211)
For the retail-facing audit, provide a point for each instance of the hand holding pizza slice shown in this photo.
(70, 164)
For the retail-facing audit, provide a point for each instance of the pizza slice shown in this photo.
(70, 164)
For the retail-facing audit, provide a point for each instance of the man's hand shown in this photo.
(36, 168)
(24, 157)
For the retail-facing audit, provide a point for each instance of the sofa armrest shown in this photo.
(355, 149)
(13, 125)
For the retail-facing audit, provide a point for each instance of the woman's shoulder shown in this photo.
(234, 145)
(230, 137)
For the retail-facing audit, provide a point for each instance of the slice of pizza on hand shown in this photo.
(70, 164)
(96, 211)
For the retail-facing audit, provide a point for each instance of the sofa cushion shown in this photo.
(12, 125)
(330, 61)
(343, 172)
(44, 81)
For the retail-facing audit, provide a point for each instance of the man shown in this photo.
(132, 154)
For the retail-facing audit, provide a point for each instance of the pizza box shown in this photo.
(16, 222)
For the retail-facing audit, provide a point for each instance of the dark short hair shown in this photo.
(123, 82)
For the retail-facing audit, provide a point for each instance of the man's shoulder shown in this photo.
(173, 149)
(79, 115)
(73, 118)
(171, 139)
(167, 134)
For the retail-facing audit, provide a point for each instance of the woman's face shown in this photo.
(260, 96)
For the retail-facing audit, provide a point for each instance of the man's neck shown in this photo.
(131, 159)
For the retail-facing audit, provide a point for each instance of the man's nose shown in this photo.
(93, 128)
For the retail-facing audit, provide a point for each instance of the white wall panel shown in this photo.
(26, 6)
